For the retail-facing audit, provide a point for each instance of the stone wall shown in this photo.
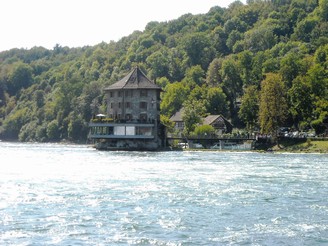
(133, 104)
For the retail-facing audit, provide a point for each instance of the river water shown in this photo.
(52, 194)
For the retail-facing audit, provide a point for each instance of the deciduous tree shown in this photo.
(273, 104)
(249, 108)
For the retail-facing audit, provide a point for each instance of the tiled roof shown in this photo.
(136, 79)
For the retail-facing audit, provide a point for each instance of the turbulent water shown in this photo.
(75, 195)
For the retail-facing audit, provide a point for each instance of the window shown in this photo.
(128, 105)
(119, 130)
(111, 94)
(128, 117)
(120, 94)
(179, 124)
(129, 93)
(145, 131)
(110, 130)
(143, 117)
(143, 105)
(119, 105)
(111, 105)
(130, 130)
(143, 93)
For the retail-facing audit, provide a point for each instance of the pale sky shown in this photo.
(77, 23)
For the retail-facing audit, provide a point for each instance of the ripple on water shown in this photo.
(70, 195)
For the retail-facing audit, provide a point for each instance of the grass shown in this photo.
(306, 146)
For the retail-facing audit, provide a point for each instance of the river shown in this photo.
(55, 194)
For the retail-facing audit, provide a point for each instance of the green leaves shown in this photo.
(273, 104)
(20, 77)
(249, 109)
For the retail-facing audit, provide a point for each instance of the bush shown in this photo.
(204, 131)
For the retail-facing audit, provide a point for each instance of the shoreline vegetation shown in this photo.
(309, 146)
(287, 146)
(319, 146)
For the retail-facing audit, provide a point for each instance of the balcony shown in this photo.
(121, 131)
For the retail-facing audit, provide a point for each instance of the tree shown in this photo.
(204, 131)
(194, 76)
(273, 104)
(301, 102)
(173, 98)
(245, 59)
(76, 127)
(53, 131)
(20, 77)
(213, 76)
(260, 39)
(199, 49)
(249, 108)
(14, 122)
(304, 29)
(323, 8)
(169, 125)
(216, 102)
(159, 63)
(290, 67)
(232, 82)
(233, 37)
(219, 38)
(39, 98)
(192, 115)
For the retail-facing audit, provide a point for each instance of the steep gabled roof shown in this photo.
(210, 119)
(177, 116)
(136, 79)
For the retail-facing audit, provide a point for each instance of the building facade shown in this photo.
(133, 115)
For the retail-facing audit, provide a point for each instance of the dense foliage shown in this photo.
(229, 61)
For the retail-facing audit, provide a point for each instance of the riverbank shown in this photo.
(306, 146)
(290, 145)
(296, 145)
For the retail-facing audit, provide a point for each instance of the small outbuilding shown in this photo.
(177, 119)
(219, 123)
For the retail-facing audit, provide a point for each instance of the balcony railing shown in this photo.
(110, 120)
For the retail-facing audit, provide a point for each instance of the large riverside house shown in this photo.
(133, 113)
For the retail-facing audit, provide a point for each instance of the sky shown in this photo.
(77, 23)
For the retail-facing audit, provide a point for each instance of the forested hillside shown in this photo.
(261, 65)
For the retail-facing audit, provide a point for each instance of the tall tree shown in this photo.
(232, 83)
(213, 76)
(249, 108)
(300, 100)
(273, 104)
